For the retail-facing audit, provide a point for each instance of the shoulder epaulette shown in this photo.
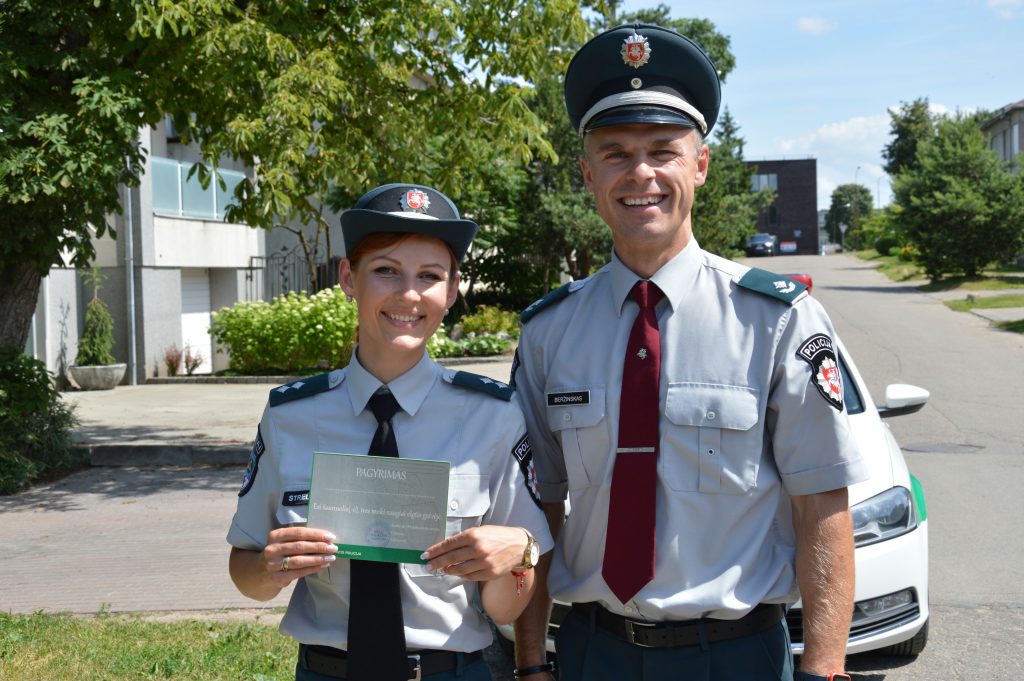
(306, 387)
(483, 384)
(776, 286)
(550, 299)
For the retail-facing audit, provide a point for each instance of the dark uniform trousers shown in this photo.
(475, 671)
(587, 653)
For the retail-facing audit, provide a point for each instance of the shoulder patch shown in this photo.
(483, 384)
(776, 286)
(253, 466)
(820, 353)
(550, 299)
(304, 387)
(523, 453)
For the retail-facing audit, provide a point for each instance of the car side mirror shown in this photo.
(901, 399)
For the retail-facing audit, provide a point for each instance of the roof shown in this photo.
(1002, 113)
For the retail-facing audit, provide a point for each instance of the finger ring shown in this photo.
(284, 564)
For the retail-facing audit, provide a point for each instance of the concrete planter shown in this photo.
(97, 377)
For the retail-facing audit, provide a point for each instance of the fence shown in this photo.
(270, 276)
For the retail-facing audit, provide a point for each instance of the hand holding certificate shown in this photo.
(379, 508)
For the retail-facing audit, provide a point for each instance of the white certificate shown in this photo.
(379, 508)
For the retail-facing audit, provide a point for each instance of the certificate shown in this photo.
(379, 508)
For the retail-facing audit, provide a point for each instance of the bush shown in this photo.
(98, 335)
(293, 333)
(35, 425)
(474, 345)
(492, 320)
(884, 244)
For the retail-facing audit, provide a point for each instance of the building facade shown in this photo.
(793, 216)
(1004, 131)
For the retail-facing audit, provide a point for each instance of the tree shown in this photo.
(725, 210)
(851, 205)
(960, 206)
(311, 95)
(910, 125)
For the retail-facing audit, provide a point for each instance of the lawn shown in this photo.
(1005, 277)
(1006, 300)
(121, 647)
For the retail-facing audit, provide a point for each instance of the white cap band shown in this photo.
(410, 214)
(644, 97)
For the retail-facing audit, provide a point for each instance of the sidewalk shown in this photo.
(993, 314)
(144, 528)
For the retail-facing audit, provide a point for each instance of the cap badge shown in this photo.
(636, 51)
(415, 201)
(636, 83)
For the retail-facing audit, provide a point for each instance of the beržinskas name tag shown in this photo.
(379, 508)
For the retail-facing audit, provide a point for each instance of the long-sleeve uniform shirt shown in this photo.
(751, 413)
(462, 418)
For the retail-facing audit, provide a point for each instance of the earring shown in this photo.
(447, 311)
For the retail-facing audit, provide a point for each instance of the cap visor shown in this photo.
(638, 115)
(358, 223)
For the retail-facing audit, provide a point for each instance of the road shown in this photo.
(967, 448)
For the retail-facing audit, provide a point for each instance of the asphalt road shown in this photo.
(967, 448)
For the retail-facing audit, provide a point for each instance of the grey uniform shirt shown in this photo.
(483, 438)
(742, 427)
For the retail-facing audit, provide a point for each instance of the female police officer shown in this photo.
(383, 621)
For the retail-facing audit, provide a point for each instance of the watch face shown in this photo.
(534, 552)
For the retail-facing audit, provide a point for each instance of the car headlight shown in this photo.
(883, 516)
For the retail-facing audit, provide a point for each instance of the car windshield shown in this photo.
(758, 238)
(854, 404)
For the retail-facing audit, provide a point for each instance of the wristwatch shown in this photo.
(531, 555)
(806, 676)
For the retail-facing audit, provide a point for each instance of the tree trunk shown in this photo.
(19, 291)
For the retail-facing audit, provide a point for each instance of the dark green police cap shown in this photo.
(407, 208)
(642, 73)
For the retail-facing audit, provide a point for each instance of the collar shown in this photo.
(675, 278)
(410, 389)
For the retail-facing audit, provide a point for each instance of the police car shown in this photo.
(890, 526)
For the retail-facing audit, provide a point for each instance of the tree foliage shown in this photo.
(910, 125)
(309, 94)
(850, 206)
(960, 206)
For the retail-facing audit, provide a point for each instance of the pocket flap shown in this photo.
(574, 406)
(468, 495)
(712, 405)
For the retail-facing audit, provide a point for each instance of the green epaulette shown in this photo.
(549, 300)
(481, 383)
(776, 286)
(304, 387)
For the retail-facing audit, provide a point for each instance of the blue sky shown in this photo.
(817, 79)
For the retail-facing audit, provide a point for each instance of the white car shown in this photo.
(890, 526)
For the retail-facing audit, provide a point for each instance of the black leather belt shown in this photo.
(334, 662)
(687, 633)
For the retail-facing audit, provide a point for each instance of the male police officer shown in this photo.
(690, 408)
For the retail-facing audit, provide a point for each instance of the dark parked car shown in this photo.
(762, 244)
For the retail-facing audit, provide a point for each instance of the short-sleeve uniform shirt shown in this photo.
(743, 425)
(482, 437)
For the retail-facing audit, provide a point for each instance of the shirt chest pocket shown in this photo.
(711, 444)
(576, 415)
(468, 500)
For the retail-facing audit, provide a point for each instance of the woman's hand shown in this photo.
(480, 553)
(294, 552)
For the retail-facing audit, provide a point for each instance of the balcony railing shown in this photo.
(174, 193)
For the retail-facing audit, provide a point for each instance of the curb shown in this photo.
(166, 455)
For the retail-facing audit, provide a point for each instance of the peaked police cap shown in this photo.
(641, 73)
(407, 209)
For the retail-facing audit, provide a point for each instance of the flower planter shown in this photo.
(97, 377)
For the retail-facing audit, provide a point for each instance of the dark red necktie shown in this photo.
(629, 545)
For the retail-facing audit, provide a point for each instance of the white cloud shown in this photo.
(862, 131)
(818, 25)
(1005, 9)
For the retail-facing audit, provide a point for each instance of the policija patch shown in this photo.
(524, 455)
(254, 463)
(820, 353)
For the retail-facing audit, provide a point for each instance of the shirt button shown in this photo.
(454, 505)
(567, 416)
(711, 452)
(711, 416)
(630, 609)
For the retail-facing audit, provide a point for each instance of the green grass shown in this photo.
(1008, 300)
(1005, 277)
(891, 266)
(1015, 327)
(119, 648)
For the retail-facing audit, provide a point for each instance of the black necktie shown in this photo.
(376, 630)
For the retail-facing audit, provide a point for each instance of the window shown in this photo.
(773, 215)
(764, 181)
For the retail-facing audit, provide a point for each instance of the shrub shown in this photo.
(35, 425)
(885, 243)
(172, 360)
(98, 335)
(492, 320)
(293, 333)
(193, 358)
(474, 345)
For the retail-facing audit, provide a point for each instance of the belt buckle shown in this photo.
(631, 633)
(417, 669)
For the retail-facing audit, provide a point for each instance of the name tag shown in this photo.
(569, 399)
(300, 498)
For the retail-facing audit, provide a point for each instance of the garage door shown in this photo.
(195, 315)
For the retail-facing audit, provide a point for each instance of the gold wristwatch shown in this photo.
(532, 553)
